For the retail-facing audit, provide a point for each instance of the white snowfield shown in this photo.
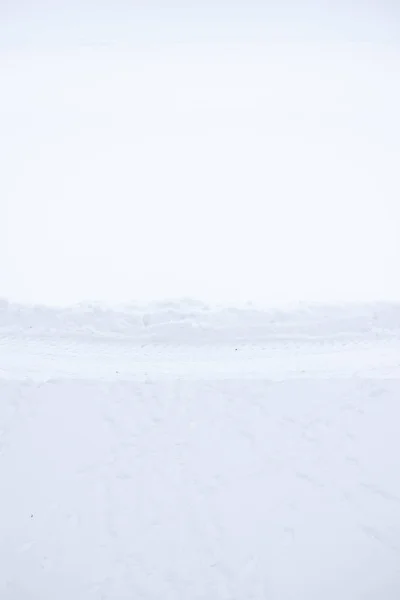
(179, 451)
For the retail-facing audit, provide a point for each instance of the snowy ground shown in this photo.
(181, 452)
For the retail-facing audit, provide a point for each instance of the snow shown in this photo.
(179, 450)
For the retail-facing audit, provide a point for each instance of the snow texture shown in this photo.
(180, 451)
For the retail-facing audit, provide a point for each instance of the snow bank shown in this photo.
(213, 489)
(194, 322)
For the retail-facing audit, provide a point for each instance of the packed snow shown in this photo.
(183, 451)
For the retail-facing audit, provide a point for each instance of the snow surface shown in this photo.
(181, 451)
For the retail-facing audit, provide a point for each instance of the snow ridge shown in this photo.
(191, 321)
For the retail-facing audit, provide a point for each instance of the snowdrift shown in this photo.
(194, 322)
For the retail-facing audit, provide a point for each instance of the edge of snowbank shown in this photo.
(192, 321)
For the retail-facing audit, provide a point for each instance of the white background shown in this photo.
(222, 151)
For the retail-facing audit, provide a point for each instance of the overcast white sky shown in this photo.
(225, 151)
